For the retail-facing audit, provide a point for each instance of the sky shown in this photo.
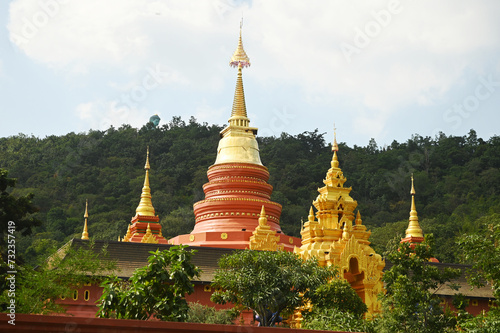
(376, 69)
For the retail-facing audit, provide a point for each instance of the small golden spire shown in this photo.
(412, 191)
(262, 217)
(145, 207)
(149, 237)
(414, 229)
(85, 233)
(358, 218)
(311, 215)
(119, 238)
(128, 235)
(335, 146)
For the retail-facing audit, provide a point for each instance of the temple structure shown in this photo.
(237, 188)
(145, 226)
(414, 234)
(237, 213)
(335, 237)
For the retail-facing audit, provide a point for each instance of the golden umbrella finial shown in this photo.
(240, 58)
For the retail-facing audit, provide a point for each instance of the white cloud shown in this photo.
(417, 57)
(100, 115)
(206, 113)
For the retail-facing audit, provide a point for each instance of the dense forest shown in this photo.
(457, 180)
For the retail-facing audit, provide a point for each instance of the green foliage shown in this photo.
(155, 291)
(37, 290)
(334, 320)
(483, 323)
(457, 179)
(482, 250)
(19, 210)
(409, 304)
(339, 295)
(209, 315)
(337, 307)
(270, 283)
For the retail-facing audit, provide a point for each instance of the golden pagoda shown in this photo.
(414, 233)
(336, 237)
(237, 187)
(145, 218)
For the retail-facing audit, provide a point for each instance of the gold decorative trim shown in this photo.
(232, 166)
(191, 238)
(243, 214)
(223, 235)
(237, 199)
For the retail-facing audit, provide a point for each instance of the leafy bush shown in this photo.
(209, 315)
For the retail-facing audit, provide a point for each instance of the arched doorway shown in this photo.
(355, 277)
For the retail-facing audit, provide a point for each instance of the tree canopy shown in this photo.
(271, 283)
(157, 290)
(409, 304)
(457, 179)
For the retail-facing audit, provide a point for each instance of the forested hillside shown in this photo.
(457, 180)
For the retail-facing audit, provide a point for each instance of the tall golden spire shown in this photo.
(414, 229)
(238, 143)
(240, 60)
(85, 233)
(145, 207)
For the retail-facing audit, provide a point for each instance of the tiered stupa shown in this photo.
(145, 226)
(237, 188)
(414, 234)
(335, 237)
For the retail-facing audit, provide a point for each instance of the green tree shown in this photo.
(155, 291)
(268, 282)
(409, 304)
(37, 290)
(16, 211)
(337, 307)
(482, 250)
(205, 314)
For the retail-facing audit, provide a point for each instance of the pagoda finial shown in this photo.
(145, 207)
(335, 149)
(262, 217)
(240, 60)
(128, 235)
(310, 218)
(358, 220)
(85, 233)
(335, 146)
(414, 229)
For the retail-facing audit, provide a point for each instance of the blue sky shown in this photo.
(378, 69)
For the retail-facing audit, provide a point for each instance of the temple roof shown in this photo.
(131, 256)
